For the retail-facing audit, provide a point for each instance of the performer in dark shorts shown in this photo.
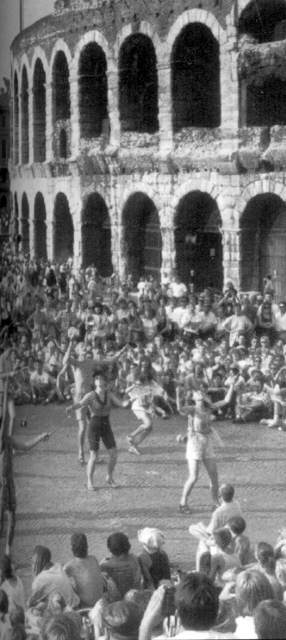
(99, 404)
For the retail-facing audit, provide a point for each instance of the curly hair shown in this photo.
(79, 544)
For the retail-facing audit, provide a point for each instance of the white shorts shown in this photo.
(200, 446)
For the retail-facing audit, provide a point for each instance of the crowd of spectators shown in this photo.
(186, 339)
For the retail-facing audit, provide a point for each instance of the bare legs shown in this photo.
(11, 516)
(194, 468)
(81, 438)
(112, 459)
(140, 433)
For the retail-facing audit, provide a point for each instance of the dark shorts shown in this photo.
(8, 495)
(99, 428)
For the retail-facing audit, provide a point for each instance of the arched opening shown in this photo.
(4, 215)
(92, 91)
(63, 229)
(263, 20)
(63, 144)
(142, 237)
(96, 236)
(25, 226)
(40, 228)
(266, 102)
(198, 241)
(138, 85)
(16, 119)
(61, 87)
(25, 117)
(263, 242)
(39, 94)
(16, 217)
(195, 69)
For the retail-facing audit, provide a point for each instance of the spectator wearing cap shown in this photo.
(153, 559)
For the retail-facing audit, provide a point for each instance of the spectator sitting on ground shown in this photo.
(123, 567)
(270, 620)
(63, 626)
(227, 509)
(42, 384)
(264, 554)
(237, 526)
(12, 585)
(122, 620)
(84, 572)
(252, 587)
(153, 560)
(48, 578)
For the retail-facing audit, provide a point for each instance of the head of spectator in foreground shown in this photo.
(118, 544)
(79, 544)
(41, 559)
(62, 626)
(122, 620)
(226, 492)
(264, 554)
(222, 537)
(252, 587)
(4, 603)
(197, 602)
(6, 568)
(152, 539)
(236, 525)
(270, 620)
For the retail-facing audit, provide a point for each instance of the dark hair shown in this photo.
(41, 559)
(123, 618)
(270, 620)
(265, 555)
(197, 602)
(17, 616)
(6, 568)
(19, 633)
(252, 587)
(227, 492)
(237, 525)
(222, 537)
(62, 626)
(118, 543)
(79, 544)
(4, 602)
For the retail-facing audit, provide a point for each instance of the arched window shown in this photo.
(96, 236)
(63, 229)
(16, 119)
(138, 85)
(63, 144)
(61, 87)
(195, 69)
(39, 91)
(25, 230)
(198, 241)
(92, 91)
(266, 102)
(25, 117)
(263, 20)
(40, 231)
(142, 237)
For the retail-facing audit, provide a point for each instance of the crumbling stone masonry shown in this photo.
(149, 136)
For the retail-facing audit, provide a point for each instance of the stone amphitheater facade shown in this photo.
(149, 136)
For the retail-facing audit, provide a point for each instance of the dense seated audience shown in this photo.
(185, 341)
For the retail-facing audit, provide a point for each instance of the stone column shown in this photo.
(165, 108)
(20, 129)
(75, 125)
(49, 122)
(168, 251)
(231, 256)
(50, 225)
(31, 126)
(122, 253)
(12, 129)
(113, 107)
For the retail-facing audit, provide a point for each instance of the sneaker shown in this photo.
(81, 458)
(90, 487)
(111, 483)
(134, 449)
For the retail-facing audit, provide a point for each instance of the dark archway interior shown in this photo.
(16, 215)
(195, 68)
(263, 242)
(39, 95)
(25, 117)
(4, 214)
(261, 19)
(61, 84)
(16, 119)
(198, 241)
(92, 91)
(25, 224)
(96, 236)
(63, 144)
(138, 85)
(266, 103)
(142, 237)
(63, 229)
(40, 239)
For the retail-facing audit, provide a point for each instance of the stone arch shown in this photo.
(142, 239)
(89, 37)
(63, 230)
(96, 235)
(146, 29)
(25, 223)
(144, 188)
(25, 97)
(40, 54)
(260, 19)
(197, 185)
(40, 227)
(61, 45)
(198, 240)
(25, 63)
(195, 78)
(260, 187)
(92, 91)
(196, 15)
(61, 87)
(138, 84)
(39, 110)
(16, 117)
(263, 242)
